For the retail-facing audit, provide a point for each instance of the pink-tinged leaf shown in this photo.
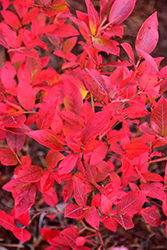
(30, 15)
(7, 157)
(120, 10)
(124, 220)
(151, 216)
(36, 42)
(73, 211)
(93, 17)
(47, 181)
(24, 219)
(80, 194)
(52, 159)
(98, 79)
(159, 118)
(23, 72)
(72, 118)
(7, 76)
(25, 94)
(15, 142)
(147, 36)
(26, 3)
(149, 59)
(45, 115)
(106, 205)
(10, 36)
(22, 234)
(49, 235)
(136, 148)
(110, 223)
(152, 177)
(67, 164)
(67, 190)
(80, 241)
(50, 197)
(96, 124)
(154, 190)
(3, 40)
(11, 19)
(31, 173)
(92, 217)
(108, 46)
(65, 30)
(47, 139)
(6, 221)
(129, 51)
(98, 154)
(13, 122)
(69, 44)
(131, 203)
(70, 235)
(72, 102)
(20, 53)
(25, 198)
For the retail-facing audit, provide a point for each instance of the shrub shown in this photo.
(84, 113)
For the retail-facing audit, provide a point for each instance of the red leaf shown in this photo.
(67, 164)
(26, 3)
(72, 102)
(31, 173)
(72, 118)
(50, 197)
(149, 59)
(124, 220)
(73, 211)
(80, 194)
(151, 216)
(71, 234)
(131, 203)
(136, 148)
(7, 76)
(45, 138)
(25, 198)
(129, 51)
(154, 190)
(120, 10)
(69, 44)
(159, 118)
(15, 142)
(108, 46)
(93, 17)
(95, 125)
(47, 181)
(22, 234)
(147, 36)
(30, 15)
(45, 115)
(3, 40)
(65, 30)
(92, 217)
(10, 36)
(25, 94)
(24, 219)
(36, 42)
(110, 223)
(7, 157)
(67, 190)
(11, 19)
(6, 221)
(98, 154)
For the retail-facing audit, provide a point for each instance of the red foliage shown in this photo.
(75, 111)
